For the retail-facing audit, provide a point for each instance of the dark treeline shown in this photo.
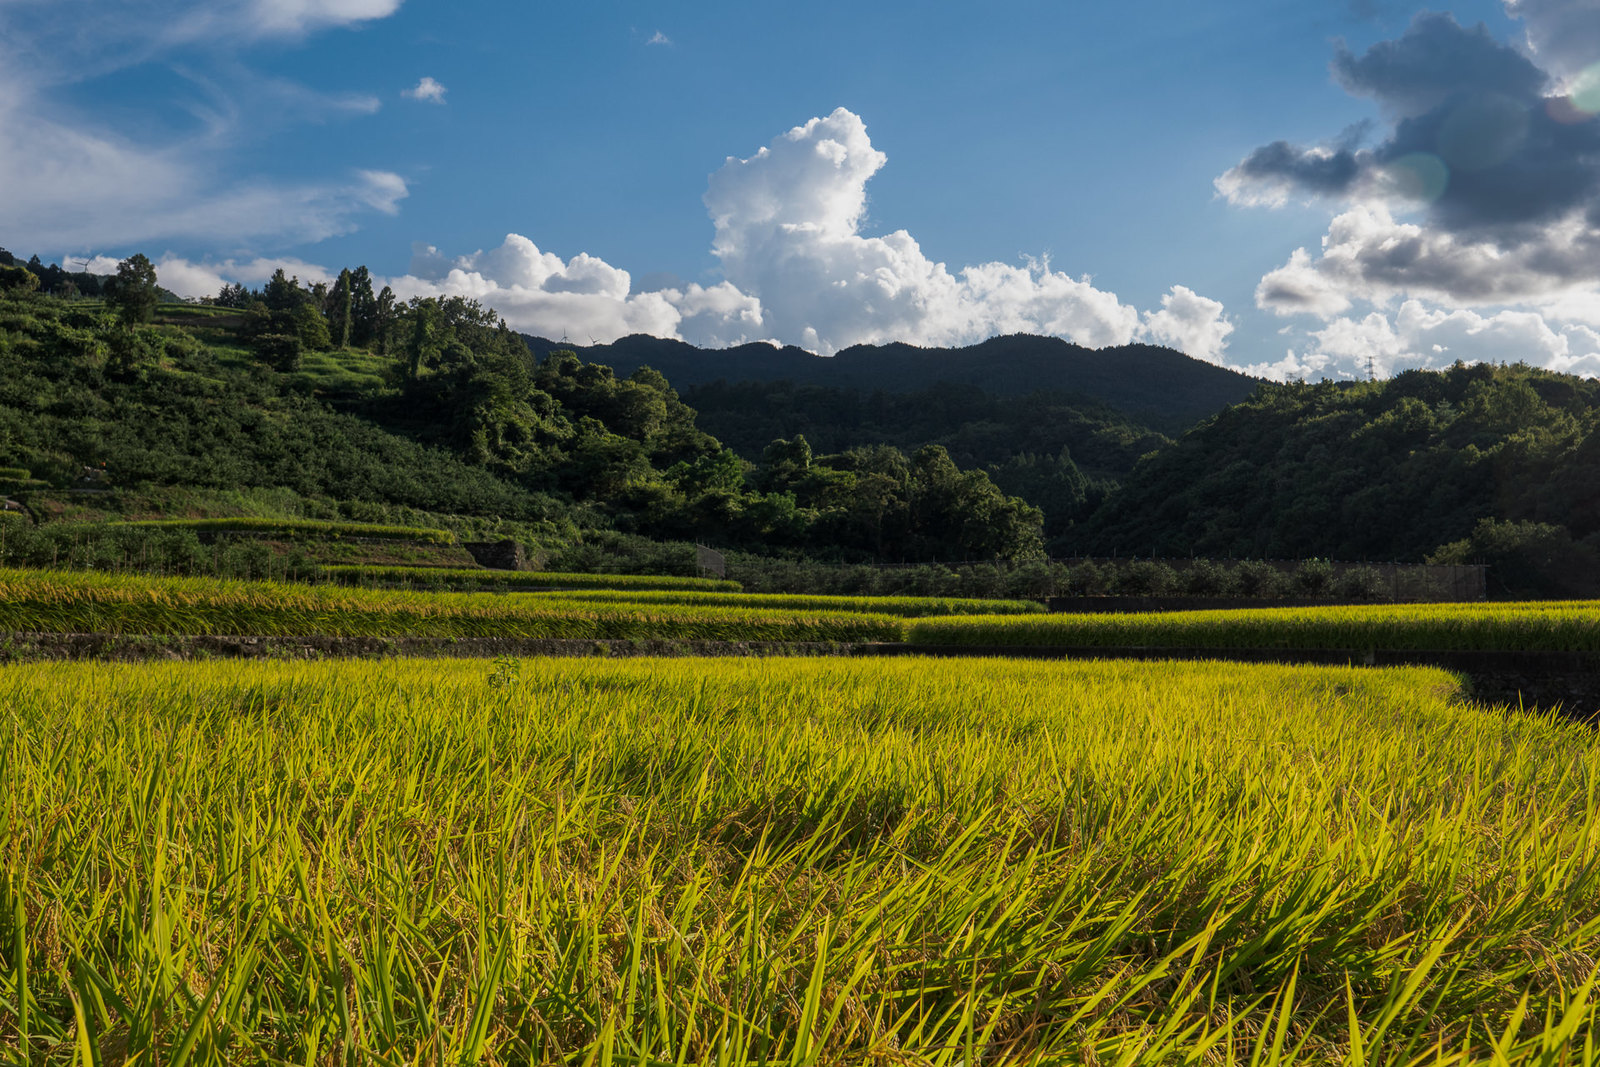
(1062, 453)
(54, 280)
(1483, 463)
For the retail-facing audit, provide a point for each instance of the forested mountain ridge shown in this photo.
(1164, 388)
(1487, 462)
(1049, 421)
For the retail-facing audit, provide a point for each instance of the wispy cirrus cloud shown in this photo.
(68, 187)
(73, 179)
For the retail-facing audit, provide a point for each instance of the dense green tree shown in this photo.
(134, 293)
(233, 295)
(384, 316)
(283, 293)
(1528, 559)
(18, 279)
(340, 310)
(364, 321)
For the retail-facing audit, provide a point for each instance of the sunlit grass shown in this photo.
(470, 578)
(797, 862)
(314, 529)
(88, 602)
(1530, 625)
(908, 606)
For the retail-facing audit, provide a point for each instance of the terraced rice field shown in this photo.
(1525, 626)
(308, 528)
(906, 606)
(790, 862)
(469, 579)
(86, 602)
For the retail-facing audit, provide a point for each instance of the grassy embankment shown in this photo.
(315, 529)
(1522, 626)
(790, 862)
(68, 602)
(469, 579)
(905, 606)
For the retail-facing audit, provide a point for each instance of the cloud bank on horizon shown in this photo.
(797, 269)
(1471, 228)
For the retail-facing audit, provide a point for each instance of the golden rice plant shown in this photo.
(1538, 625)
(789, 862)
(908, 606)
(467, 578)
(87, 602)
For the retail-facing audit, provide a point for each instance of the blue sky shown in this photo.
(934, 172)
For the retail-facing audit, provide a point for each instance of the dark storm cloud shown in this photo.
(1473, 138)
(1323, 171)
(1433, 61)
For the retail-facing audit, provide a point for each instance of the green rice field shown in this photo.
(1523, 626)
(89, 602)
(825, 861)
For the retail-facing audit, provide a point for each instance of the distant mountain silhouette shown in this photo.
(1168, 389)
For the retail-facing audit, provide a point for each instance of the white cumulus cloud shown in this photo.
(1469, 228)
(427, 90)
(1191, 323)
(205, 278)
(797, 269)
(1417, 335)
(788, 231)
(583, 298)
(1368, 255)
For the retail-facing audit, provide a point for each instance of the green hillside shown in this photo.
(1490, 463)
(339, 403)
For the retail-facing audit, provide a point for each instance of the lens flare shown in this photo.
(1564, 111)
(1585, 94)
(1418, 176)
(1482, 132)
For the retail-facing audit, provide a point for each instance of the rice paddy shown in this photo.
(789, 862)
(470, 579)
(825, 861)
(1521, 626)
(307, 528)
(88, 602)
(905, 606)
